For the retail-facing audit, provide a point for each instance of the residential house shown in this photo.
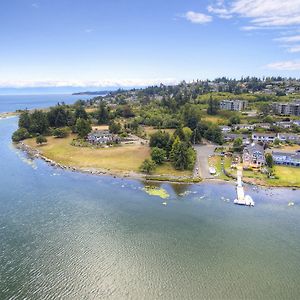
(225, 129)
(101, 137)
(284, 124)
(243, 127)
(286, 158)
(253, 156)
(230, 137)
(296, 122)
(264, 137)
(287, 137)
(266, 126)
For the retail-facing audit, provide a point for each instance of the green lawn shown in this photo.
(215, 161)
(288, 176)
(167, 169)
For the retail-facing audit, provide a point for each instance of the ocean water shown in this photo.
(10, 103)
(67, 235)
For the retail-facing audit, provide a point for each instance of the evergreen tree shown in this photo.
(83, 127)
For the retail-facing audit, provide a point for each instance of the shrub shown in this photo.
(40, 139)
(61, 132)
(148, 166)
(20, 134)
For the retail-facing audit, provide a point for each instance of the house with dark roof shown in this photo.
(287, 137)
(253, 156)
(286, 158)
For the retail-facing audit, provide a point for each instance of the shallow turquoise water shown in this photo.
(72, 236)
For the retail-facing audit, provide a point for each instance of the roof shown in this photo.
(254, 148)
(265, 134)
(293, 155)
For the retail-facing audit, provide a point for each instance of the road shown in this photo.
(202, 167)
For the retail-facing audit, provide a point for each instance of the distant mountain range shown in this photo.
(92, 93)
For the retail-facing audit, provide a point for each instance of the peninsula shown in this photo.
(184, 133)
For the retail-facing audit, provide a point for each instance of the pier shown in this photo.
(242, 199)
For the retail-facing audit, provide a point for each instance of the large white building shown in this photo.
(234, 105)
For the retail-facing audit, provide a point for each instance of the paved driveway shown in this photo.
(202, 167)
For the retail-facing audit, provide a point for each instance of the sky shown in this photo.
(105, 43)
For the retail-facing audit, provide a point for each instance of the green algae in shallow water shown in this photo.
(155, 191)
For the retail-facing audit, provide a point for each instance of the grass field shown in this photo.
(288, 176)
(167, 169)
(150, 130)
(120, 159)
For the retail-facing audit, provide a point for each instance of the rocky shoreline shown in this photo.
(35, 153)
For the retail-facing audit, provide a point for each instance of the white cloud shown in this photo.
(289, 39)
(197, 18)
(84, 83)
(294, 49)
(35, 5)
(290, 65)
(262, 13)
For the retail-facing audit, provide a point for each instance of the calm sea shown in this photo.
(10, 103)
(66, 235)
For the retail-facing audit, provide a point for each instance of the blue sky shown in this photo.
(99, 43)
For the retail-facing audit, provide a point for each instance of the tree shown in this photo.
(237, 144)
(115, 127)
(38, 122)
(61, 132)
(102, 114)
(80, 113)
(148, 166)
(24, 120)
(182, 156)
(214, 134)
(191, 116)
(276, 142)
(265, 109)
(20, 134)
(213, 106)
(126, 111)
(269, 160)
(40, 139)
(160, 139)
(158, 155)
(83, 128)
(234, 120)
(60, 116)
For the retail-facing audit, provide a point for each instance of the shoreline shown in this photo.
(34, 153)
(6, 115)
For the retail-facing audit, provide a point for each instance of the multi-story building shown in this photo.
(287, 108)
(234, 105)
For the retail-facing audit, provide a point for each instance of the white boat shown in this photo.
(212, 171)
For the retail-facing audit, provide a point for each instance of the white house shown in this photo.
(264, 137)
